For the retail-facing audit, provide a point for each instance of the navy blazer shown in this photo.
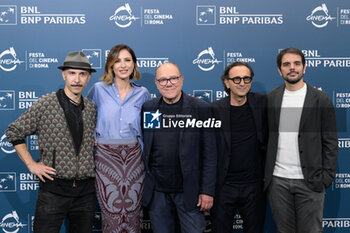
(317, 139)
(221, 110)
(197, 153)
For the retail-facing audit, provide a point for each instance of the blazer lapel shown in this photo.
(186, 109)
(149, 140)
(277, 103)
(256, 111)
(309, 103)
(225, 116)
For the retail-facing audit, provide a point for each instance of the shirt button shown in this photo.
(121, 119)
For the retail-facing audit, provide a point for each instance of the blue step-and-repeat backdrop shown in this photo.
(201, 36)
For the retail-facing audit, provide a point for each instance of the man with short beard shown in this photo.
(302, 148)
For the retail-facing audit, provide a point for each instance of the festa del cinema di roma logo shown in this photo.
(11, 223)
(6, 146)
(320, 17)
(123, 16)
(206, 60)
(9, 60)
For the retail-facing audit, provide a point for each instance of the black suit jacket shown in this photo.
(197, 153)
(221, 110)
(317, 139)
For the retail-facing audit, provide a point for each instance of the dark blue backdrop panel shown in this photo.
(202, 37)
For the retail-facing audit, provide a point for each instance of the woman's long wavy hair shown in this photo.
(108, 76)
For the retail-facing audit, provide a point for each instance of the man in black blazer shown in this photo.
(241, 146)
(180, 161)
(302, 148)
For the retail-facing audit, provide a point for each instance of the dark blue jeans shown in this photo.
(163, 209)
(51, 209)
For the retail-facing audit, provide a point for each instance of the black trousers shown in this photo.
(51, 209)
(250, 201)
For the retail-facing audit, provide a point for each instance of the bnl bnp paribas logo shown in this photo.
(9, 60)
(151, 120)
(7, 100)
(206, 15)
(123, 16)
(320, 16)
(8, 15)
(11, 223)
(206, 95)
(94, 56)
(7, 182)
(206, 60)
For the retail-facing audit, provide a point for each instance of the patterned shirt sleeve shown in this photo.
(24, 126)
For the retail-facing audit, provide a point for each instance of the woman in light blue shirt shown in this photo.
(119, 167)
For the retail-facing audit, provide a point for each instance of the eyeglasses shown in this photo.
(237, 80)
(172, 80)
